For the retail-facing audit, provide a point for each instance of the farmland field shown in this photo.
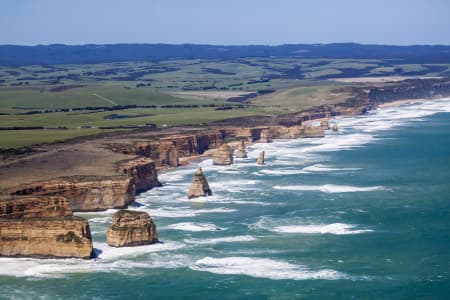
(67, 101)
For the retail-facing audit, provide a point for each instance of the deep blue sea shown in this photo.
(363, 213)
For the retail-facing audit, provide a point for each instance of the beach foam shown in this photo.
(263, 268)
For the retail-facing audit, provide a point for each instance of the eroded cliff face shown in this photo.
(131, 228)
(164, 153)
(86, 194)
(42, 227)
(35, 207)
(143, 172)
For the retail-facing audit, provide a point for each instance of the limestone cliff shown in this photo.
(223, 156)
(265, 136)
(143, 172)
(324, 124)
(85, 193)
(131, 228)
(34, 207)
(42, 227)
(199, 186)
(240, 152)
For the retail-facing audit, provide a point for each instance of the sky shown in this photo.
(224, 22)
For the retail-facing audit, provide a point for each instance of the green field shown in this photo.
(84, 91)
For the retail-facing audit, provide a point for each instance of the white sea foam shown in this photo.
(263, 268)
(231, 239)
(180, 212)
(330, 188)
(195, 227)
(335, 228)
(110, 259)
(324, 168)
(282, 172)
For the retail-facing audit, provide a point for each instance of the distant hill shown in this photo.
(87, 54)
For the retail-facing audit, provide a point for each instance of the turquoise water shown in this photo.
(363, 213)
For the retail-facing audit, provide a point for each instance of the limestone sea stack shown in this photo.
(131, 228)
(335, 127)
(325, 125)
(223, 155)
(241, 153)
(43, 227)
(260, 160)
(199, 186)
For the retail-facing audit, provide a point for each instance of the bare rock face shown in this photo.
(34, 207)
(241, 153)
(265, 136)
(199, 186)
(131, 228)
(143, 171)
(223, 156)
(325, 125)
(42, 227)
(335, 127)
(260, 160)
(85, 193)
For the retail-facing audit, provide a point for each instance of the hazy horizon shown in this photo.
(251, 22)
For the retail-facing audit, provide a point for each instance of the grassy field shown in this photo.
(294, 84)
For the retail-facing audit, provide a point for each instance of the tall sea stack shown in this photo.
(223, 156)
(199, 186)
(131, 228)
(260, 160)
(241, 153)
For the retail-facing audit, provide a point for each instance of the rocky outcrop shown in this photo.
(334, 127)
(199, 186)
(265, 136)
(143, 172)
(131, 228)
(324, 124)
(223, 156)
(86, 193)
(42, 227)
(240, 152)
(260, 160)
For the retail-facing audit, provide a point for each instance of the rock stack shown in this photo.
(42, 227)
(131, 228)
(265, 136)
(260, 160)
(241, 153)
(199, 186)
(223, 156)
(325, 125)
(335, 127)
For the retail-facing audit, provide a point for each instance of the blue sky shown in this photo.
(227, 22)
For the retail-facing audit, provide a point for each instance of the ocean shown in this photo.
(362, 213)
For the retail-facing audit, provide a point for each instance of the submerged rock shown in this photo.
(241, 153)
(223, 156)
(199, 186)
(131, 228)
(260, 160)
(335, 127)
